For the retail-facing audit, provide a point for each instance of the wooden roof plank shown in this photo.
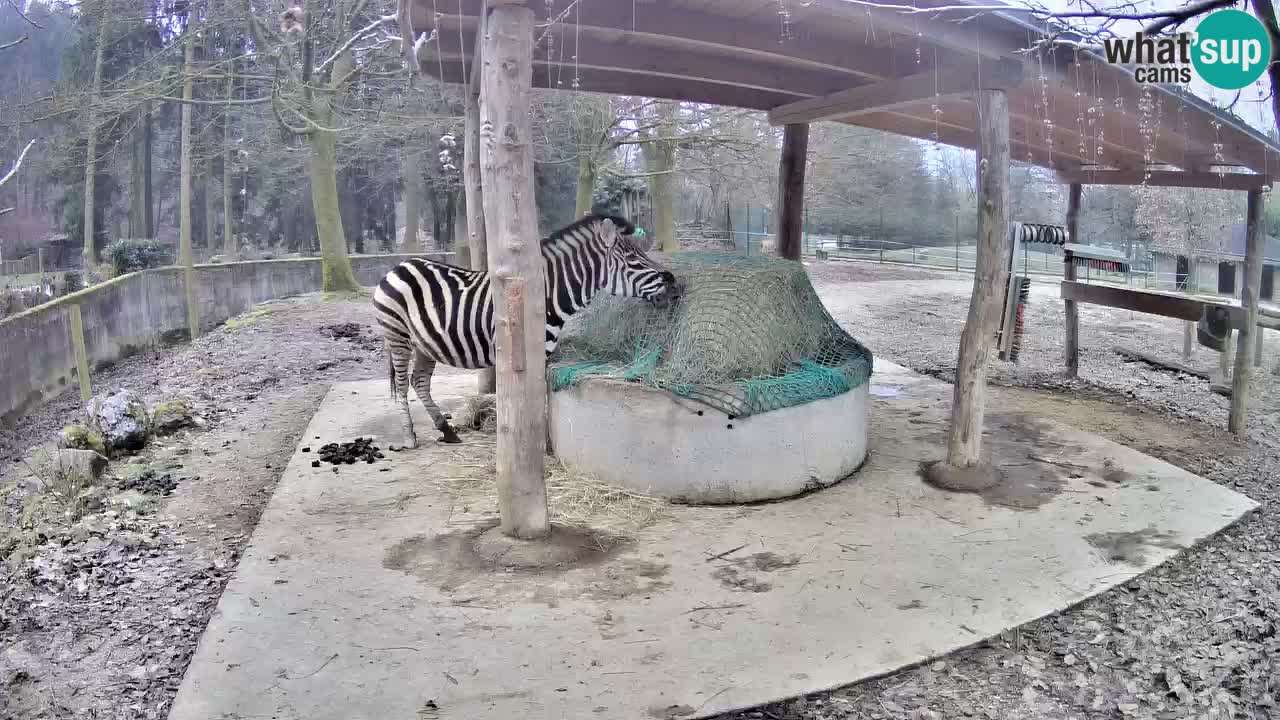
(900, 92)
(1167, 178)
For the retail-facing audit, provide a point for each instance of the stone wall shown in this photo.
(142, 310)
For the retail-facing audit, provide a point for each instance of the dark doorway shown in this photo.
(1184, 270)
(1226, 278)
(1268, 282)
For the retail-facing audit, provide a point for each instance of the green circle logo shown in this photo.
(1232, 49)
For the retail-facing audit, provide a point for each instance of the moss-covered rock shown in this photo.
(171, 416)
(80, 437)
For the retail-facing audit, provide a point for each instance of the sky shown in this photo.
(1254, 105)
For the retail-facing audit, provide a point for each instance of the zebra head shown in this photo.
(628, 272)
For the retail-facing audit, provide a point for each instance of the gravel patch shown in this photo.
(1195, 638)
(101, 617)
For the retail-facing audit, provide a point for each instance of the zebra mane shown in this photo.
(625, 227)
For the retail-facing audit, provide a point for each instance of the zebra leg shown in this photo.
(401, 357)
(423, 368)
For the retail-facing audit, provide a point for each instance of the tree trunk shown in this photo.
(411, 171)
(148, 203)
(518, 287)
(437, 220)
(590, 111)
(91, 150)
(964, 443)
(461, 248)
(211, 191)
(337, 273)
(791, 167)
(660, 159)
(136, 206)
(450, 215)
(184, 188)
(230, 248)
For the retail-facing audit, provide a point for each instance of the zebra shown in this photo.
(435, 313)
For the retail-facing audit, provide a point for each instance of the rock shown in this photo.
(122, 419)
(80, 437)
(171, 416)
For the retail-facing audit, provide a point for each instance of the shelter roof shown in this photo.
(1069, 110)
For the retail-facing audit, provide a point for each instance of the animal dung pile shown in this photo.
(348, 453)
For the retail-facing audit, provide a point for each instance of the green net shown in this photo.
(748, 335)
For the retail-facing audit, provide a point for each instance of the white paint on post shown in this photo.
(964, 444)
(515, 261)
(1249, 300)
(475, 194)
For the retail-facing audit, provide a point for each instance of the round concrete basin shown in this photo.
(662, 445)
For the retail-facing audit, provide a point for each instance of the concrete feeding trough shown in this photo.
(660, 444)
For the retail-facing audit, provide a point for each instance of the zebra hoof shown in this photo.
(450, 437)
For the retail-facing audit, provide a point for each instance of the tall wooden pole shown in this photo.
(516, 267)
(964, 443)
(184, 190)
(471, 183)
(791, 166)
(1072, 347)
(1249, 299)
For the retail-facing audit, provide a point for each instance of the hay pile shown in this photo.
(748, 335)
(575, 499)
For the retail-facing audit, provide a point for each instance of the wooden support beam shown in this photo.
(1180, 307)
(1167, 178)
(516, 266)
(486, 380)
(1249, 301)
(791, 167)
(895, 93)
(1072, 346)
(964, 444)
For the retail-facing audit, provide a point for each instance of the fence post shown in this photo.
(806, 228)
(81, 352)
(957, 235)
(882, 233)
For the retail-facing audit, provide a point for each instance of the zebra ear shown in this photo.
(608, 233)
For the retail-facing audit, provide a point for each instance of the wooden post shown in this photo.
(516, 264)
(1188, 338)
(1224, 360)
(795, 153)
(1257, 348)
(473, 189)
(81, 352)
(1249, 300)
(964, 444)
(1072, 350)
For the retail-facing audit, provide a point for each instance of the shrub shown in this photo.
(131, 255)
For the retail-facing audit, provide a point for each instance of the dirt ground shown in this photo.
(102, 621)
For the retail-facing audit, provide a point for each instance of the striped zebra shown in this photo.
(433, 313)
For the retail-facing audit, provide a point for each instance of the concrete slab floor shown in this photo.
(359, 597)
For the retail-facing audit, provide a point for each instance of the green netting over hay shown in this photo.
(748, 335)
